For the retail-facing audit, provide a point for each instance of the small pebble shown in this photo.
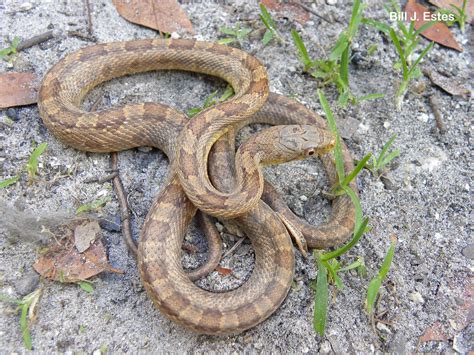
(144, 149)
(417, 297)
(12, 114)
(386, 124)
(325, 348)
(27, 283)
(26, 6)
(382, 327)
(423, 117)
(303, 198)
(111, 223)
(468, 251)
(331, 2)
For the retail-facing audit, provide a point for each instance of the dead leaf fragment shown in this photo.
(18, 89)
(287, 9)
(65, 264)
(433, 333)
(446, 4)
(162, 15)
(223, 270)
(85, 235)
(438, 33)
(450, 85)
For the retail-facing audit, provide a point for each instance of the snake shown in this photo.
(64, 88)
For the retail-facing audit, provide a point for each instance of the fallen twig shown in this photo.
(310, 10)
(234, 247)
(30, 42)
(437, 114)
(89, 17)
(82, 36)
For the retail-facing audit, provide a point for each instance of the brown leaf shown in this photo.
(288, 10)
(18, 89)
(446, 4)
(223, 270)
(438, 33)
(162, 15)
(65, 264)
(85, 235)
(433, 333)
(450, 85)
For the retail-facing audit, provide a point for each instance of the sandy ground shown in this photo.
(426, 206)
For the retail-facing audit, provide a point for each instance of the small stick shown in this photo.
(30, 42)
(89, 17)
(235, 246)
(82, 36)
(307, 8)
(102, 179)
(437, 115)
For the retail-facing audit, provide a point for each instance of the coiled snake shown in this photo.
(187, 143)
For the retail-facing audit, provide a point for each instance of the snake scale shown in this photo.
(188, 143)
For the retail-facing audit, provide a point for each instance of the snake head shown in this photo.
(302, 141)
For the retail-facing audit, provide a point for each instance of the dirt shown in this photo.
(425, 203)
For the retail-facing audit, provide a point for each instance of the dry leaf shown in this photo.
(223, 270)
(65, 264)
(288, 10)
(85, 235)
(162, 15)
(450, 85)
(438, 33)
(18, 89)
(433, 333)
(445, 4)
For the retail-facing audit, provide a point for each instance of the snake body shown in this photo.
(188, 185)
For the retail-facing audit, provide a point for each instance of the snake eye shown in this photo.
(309, 152)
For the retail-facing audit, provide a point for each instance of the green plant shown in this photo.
(376, 282)
(409, 71)
(235, 34)
(27, 306)
(406, 40)
(378, 163)
(328, 266)
(210, 101)
(86, 286)
(458, 15)
(270, 24)
(31, 167)
(335, 69)
(93, 206)
(9, 52)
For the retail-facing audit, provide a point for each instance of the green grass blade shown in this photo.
(355, 18)
(267, 37)
(333, 127)
(227, 40)
(370, 97)
(389, 158)
(228, 31)
(32, 165)
(344, 68)
(266, 18)
(6, 298)
(302, 51)
(340, 46)
(360, 231)
(321, 299)
(375, 284)
(382, 27)
(399, 49)
(25, 331)
(8, 182)
(385, 147)
(356, 170)
(420, 57)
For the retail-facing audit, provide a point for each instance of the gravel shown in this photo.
(426, 205)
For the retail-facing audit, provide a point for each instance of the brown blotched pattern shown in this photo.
(114, 129)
